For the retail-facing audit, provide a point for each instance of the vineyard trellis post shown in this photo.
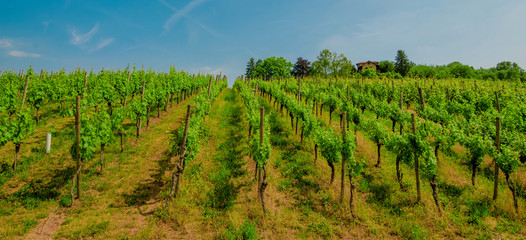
(344, 132)
(496, 172)
(77, 146)
(417, 170)
(176, 176)
(25, 92)
(263, 171)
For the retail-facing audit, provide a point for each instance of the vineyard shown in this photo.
(139, 154)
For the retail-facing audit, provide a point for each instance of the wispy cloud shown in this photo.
(6, 43)
(46, 24)
(23, 54)
(84, 41)
(79, 39)
(103, 43)
(178, 14)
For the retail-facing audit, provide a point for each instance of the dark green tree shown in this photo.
(250, 68)
(301, 68)
(507, 65)
(402, 63)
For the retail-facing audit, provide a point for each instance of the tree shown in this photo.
(460, 70)
(250, 68)
(345, 67)
(331, 64)
(508, 70)
(301, 68)
(386, 66)
(273, 67)
(322, 65)
(422, 71)
(402, 63)
(507, 65)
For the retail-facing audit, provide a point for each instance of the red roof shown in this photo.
(362, 63)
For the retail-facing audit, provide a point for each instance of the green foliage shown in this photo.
(104, 129)
(138, 107)
(369, 73)
(376, 131)
(507, 160)
(5, 133)
(20, 128)
(89, 139)
(330, 145)
(117, 118)
(261, 152)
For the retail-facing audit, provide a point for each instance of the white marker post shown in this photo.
(48, 142)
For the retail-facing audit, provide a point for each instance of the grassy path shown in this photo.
(35, 197)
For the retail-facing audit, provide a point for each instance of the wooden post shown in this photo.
(422, 102)
(143, 87)
(210, 86)
(77, 141)
(358, 85)
(139, 120)
(127, 81)
(256, 91)
(25, 92)
(263, 172)
(496, 171)
(401, 100)
(85, 84)
(417, 170)
(261, 125)
(299, 90)
(176, 176)
(497, 101)
(185, 133)
(344, 133)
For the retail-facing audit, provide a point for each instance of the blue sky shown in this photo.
(213, 36)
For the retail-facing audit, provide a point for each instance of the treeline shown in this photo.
(332, 64)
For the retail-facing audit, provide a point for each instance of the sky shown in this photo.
(220, 36)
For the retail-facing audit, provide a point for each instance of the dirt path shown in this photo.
(47, 227)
